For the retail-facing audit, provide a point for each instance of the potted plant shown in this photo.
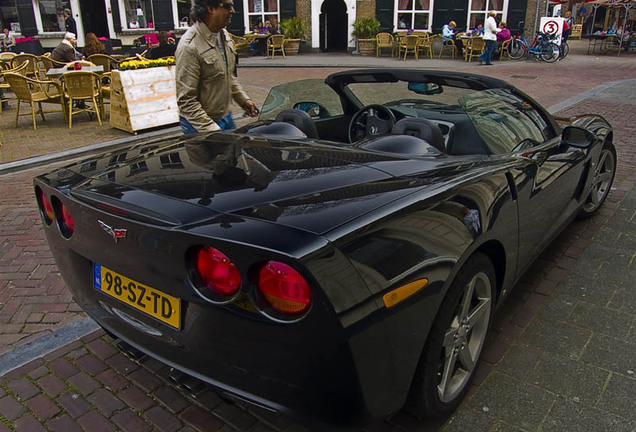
(365, 29)
(294, 30)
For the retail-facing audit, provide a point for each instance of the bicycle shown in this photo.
(542, 47)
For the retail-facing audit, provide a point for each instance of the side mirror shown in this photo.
(577, 137)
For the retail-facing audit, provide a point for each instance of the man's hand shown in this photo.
(250, 108)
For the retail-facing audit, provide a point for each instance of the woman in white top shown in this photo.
(490, 37)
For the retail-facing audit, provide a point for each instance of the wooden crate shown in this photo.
(143, 98)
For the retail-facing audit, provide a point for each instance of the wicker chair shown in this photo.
(32, 68)
(505, 49)
(424, 43)
(383, 40)
(4, 84)
(276, 43)
(240, 43)
(445, 44)
(83, 86)
(408, 44)
(109, 63)
(34, 91)
(475, 47)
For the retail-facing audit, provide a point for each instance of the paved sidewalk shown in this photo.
(561, 357)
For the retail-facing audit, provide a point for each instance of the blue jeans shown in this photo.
(224, 123)
(487, 55)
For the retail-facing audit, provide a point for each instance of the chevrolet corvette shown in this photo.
(339, 259)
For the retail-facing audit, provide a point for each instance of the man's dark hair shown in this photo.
(199, 10)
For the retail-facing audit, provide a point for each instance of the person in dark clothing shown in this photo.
(166, 47)
(69, 21)
(65, 52)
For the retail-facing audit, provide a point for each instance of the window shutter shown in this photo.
(114, 9)
(384, 14)
(26, 18)
(287, 9)
(237, 26)
(164, 19)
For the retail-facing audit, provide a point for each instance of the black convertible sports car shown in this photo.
(343, 256)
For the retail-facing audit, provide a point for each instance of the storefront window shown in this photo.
(9, 16)
(52, 14)
(479, 9)
(183, 12)
(414, 14)
(139, 14)
(262, 12)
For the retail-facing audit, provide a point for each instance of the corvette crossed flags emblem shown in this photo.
(116, 233)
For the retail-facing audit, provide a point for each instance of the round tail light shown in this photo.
(216, 272)
(46, 208)
(67, 225)
(284, 289)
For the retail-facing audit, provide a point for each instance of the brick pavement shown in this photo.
(88, 382)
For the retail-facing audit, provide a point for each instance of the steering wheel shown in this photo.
(370, 120)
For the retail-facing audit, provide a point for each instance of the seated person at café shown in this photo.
(448, 33)
(92, 45)
(502, 36)
(478, 31)
(65, 51)
(8, 41)
(166, 47)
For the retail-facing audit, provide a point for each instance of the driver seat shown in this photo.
(300, 119)
(421, 128)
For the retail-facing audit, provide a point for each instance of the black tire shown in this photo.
(454, 345)
(516, 49)
(550, 53)
(565, 50)
(604, 172)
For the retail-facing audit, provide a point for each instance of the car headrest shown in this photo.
(300, 119)
(421, 128)
(279, 129)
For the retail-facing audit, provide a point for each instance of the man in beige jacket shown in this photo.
(205, 64)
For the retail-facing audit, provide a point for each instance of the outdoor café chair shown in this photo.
(446, 44)
(408, 44)
(32, 67)
(505, 49)
(276, 43)
(4, 84)
(383, 40)
(109, 63)
(34, 91)
(83, 86)
(424, 44)
(45, 62)
(475, 47)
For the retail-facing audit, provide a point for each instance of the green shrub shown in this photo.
(366, 28)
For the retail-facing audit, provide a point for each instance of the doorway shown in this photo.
(333, 26)
(94, 18)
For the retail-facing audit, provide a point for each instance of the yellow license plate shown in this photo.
(153, 302)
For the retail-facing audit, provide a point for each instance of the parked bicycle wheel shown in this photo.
(565, 49)
(517, 49)
(550, 53)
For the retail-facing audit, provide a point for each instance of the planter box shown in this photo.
(143, 98)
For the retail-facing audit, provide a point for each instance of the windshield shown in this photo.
(398, 93)
(293, 94)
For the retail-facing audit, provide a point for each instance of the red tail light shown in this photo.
(284, 288)
(67, 226)
(45, 207)
(216, 271)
